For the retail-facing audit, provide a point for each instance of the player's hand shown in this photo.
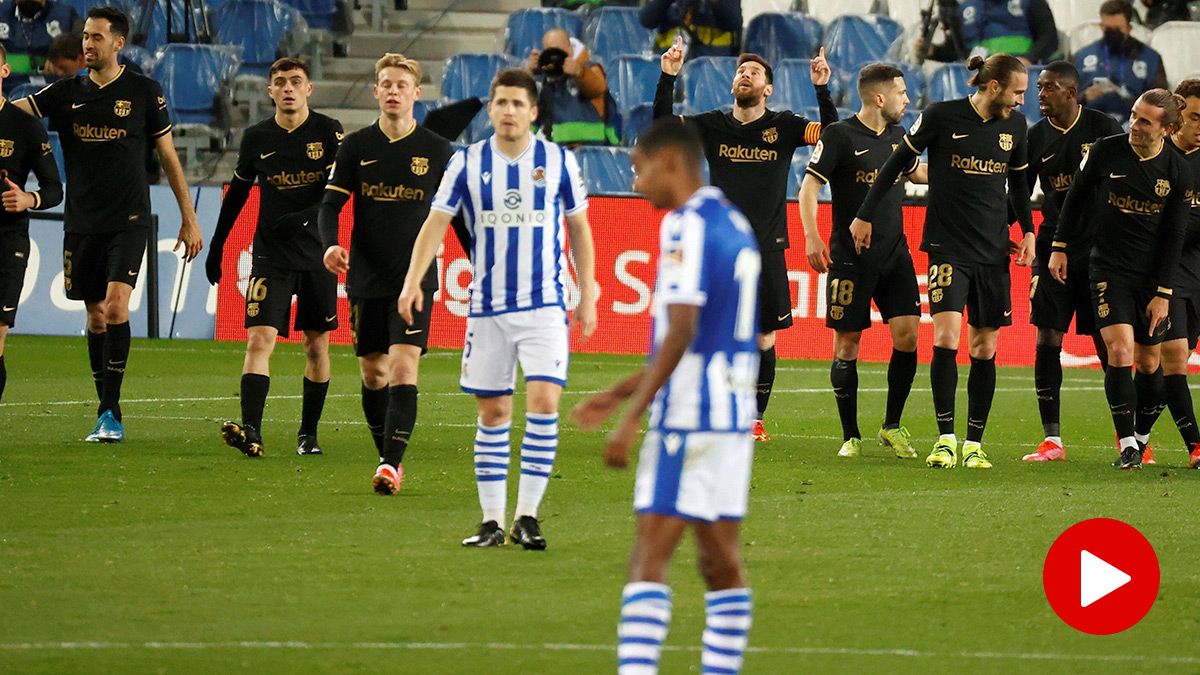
(212, 263)
(585, 315)
(337, 259)
(594, 410)
(860, 233)
(818, 254)
(1027, 250)
(411, 301)
(1157, 311)
(532, 62)
(616, 448)
(1058, 266)
(818, 68)
(15, 199)
(189, 237)
(672, 59)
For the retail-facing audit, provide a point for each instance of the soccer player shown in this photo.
(24, 147)
(1135, 191)
(1057, 145)
(976, 145)
(106, 118)
(289, 154)
(512, 189)
(695, 459)
(848, 157)
(391, 170)
(749, 152)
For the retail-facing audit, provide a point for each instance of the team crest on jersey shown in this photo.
(935, 295)
(1084, 148)
(315, 150)
(770, 135)
(835, 312)
(420, 166)
(1162, 188)
(1006, 142)
(252, 309)
(539, 176)
(1102, 310)
(123, 108)
(6, 147)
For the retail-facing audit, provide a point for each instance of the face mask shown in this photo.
(1114, 39)
(28, 7)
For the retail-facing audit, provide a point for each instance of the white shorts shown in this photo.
(699, 475)
(537, 338)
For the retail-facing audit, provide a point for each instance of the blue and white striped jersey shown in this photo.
(514, 212)
(709, 258)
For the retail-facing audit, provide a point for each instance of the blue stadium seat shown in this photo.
(605, 170)
(633, 79)
(796, 175)
(783, 35)
(852, 41)
(469, 75)
(480, 126)
(420, 110)
(191, 76)
(914, 79)
(1030, 109)
(56, 148)
(318, 13)
(888, 28)
(22, 90)
(794, 89)
(636, 120)
(139, 55)
(526, 26)
(257, 26)
(948, 82)
(156, 35)
(610, 32)
(707, 81)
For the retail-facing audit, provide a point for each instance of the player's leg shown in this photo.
(1047, 382)
(646, 598)
(899, 301)
(843, 378)
(948, 288)
(316, 316)
(1118, 381)
(981, 389)
(775, 313)
(96, 328)
(84, 279)
(117, 339)
(489, 371)
(371, 348)
(727, 604)
(268, 308)
(14, 248)
(406, 343)
(1175, 353)
(1151, 387)
(3, 366)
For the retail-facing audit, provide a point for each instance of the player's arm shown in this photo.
(1171, 233)
(1018, 199)
(664, 94)
(814, 247)
(583, 251)
(189, 229)
(433, 231)
(50, 189)
(231, 207)
(919, 174)
(820, 72)
(23, 104)
(1075, 204)
(337, 193)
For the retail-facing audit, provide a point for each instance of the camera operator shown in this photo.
(1118, 67)
(708, 27)
(574, 107)
(1021, 28)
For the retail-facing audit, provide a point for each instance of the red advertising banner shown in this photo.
(625, 230)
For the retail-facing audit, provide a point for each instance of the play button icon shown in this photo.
(1101, 576)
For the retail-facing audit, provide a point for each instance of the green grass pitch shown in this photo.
(173, 553)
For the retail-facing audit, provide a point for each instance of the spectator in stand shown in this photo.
(709, 27)
(26, 29)
(574, 106)
(1159, 12)
(1022, 28)
(1118, 67)
(65, 58)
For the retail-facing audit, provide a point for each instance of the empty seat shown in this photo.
(318, 13)
(914, 80)
(526, 26)
(181, 22)
(826, 11)
(633, 79)
(610, 32)
(636, 120)
(191, 76)
(605, 170)
(949, 81)
(794, 88)
(852, 41)
(707, 81)
(1179, 44)
(783, 35)
(258, 27)
(470, 75)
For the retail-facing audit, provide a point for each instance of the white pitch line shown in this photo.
(577, 647)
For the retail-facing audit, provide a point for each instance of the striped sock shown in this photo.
(537, 461)
(491, 470)
(726, 630)
(645, 618)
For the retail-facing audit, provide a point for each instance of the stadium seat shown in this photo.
(420, 110)
(852, 41)
(826, 11)
(56, 148)
(469, 75)
(636, 120)
(1030, 109)
(610, 32)
(914, 79)
(1074, 12)
(796, 175)
(526, 26)
(949, 81)
(480, 126)
(1085, 33)
(1179, 44)
(156, 33)
(605, 170)
(139, 55)
(191, 77)
(707, 81)
(633, 79)
(778, 35)
(794, 89)
(258, 27)
(318, 13)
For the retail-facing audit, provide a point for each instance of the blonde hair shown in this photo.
(394, 60)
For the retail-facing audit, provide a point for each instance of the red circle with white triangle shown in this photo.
(1101, 576)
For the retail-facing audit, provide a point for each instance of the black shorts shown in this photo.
(774, 293)
(1051, 304)
(851, 288)
(92, 261)
(269, 299)
(1122, 303)
(14, 258)
(1185, 321)
(375, 325)
(985, 291)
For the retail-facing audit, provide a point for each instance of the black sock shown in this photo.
(766, 378)
(1047, 379)
(844, 378)
(311, 405)
(95, 342)
(401, 418)
(254, 398)
(901, 371)
(3, 376)
(981, 388)
(1151, 399)
(1122, 398)
(943, 379)
(1179, 397)
(374, 405)
(116, 358)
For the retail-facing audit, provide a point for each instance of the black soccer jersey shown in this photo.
(291, 168)
(848, 157)
(104, 131)
(1054, 157)
(1139, 207)
(25, 147)
(969, 161)
(1187, 279)
(392, 183)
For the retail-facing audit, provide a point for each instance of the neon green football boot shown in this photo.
(851, 448)
(944, 455)
(974, 457)
(898, 440)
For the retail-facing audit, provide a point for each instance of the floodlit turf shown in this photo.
(173, 553)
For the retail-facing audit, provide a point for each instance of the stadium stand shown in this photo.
(853, 40)
(605, 170)
(318, 13)
(947, 82)
(258, 27)
(469, 75)
(1177, 42)
(707, 81)
(193, 77)
(783, 35)
(632, 80)
(826, 11)
(794, 89)
(156, 32)
(526, 26)
(1085, 33)
(612, 32)
(636, 120)
(480, 127)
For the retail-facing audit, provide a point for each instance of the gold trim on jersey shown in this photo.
(972, 102)
(1160, 149)
(1078, 114)
(166, 130)
(815, 173)
(34, 106)
(101, 86)
(339, 189)
(1019, 168)
(37, 200)
(910, 145)
(1165, 291)
(401, 136)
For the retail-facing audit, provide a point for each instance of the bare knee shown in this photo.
(1175, 356)
(766, 341)
(96, 321)
(374, 371)
(904, 333)
(845, 345)
(316, 346)
(1120, 354)
(494, 410)
(260, 343)
(116, 303)
(983, 344)
(1147, 360)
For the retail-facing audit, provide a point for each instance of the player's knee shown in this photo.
(402, 372)
(1120, 353)
(1146, 360)
(845, 346)
(495, 411)
(766, 341)
(95, 318)
(1048, 337)
(721, 571)
(1174, 357)
(260, 343)
(116, 312)
(316, 349)
(904, 337)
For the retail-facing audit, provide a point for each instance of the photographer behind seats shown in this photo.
(574, 106)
